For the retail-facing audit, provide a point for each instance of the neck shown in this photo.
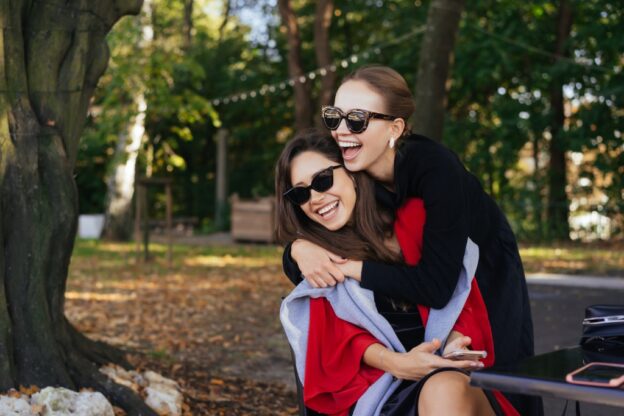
(383, 169)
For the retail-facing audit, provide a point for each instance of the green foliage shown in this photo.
(498, 121)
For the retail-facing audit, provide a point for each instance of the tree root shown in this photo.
(86, 374)
(96, 351)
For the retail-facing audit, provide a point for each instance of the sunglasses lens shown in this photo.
(298, 195)
(356, 121)
(323, 181)
(331, 118)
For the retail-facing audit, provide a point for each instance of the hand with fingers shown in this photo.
(318, 266)
(421, 360)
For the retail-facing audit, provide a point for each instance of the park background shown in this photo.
(204, 94)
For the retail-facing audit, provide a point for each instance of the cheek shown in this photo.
(306, 209)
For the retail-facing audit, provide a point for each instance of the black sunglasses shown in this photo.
(356, 119)
(321, 182)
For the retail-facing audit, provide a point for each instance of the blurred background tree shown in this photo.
(534, 104)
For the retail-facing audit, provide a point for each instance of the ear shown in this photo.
(397, 127)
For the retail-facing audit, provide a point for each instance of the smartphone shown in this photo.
(598, 374)
(466, 355)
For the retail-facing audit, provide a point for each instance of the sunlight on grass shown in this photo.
(578, 259)
(102, 297)
(228, 260)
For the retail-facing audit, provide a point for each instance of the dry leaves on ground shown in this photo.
(212, 326)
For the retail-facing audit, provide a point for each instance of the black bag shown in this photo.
(603, 333)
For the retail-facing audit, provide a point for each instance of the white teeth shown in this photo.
(327, 208)
(349, 144)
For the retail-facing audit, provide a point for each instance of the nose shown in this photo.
(316, 196)
(342, 127)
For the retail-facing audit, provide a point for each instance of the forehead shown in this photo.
(305, 165)
(358, 94)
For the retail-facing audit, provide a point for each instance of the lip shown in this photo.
(353, 154)
(329, 214)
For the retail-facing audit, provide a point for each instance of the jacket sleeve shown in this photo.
(290, 266)
(438, 180)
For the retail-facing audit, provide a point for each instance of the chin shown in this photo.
(336, 226)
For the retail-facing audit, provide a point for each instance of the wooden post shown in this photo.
(221, 177)
(169, 224)
(145, 223)
(137, 219)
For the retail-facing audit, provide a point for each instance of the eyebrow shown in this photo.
(313, 176)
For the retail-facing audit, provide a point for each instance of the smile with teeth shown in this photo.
(345, 144)
(327, 208)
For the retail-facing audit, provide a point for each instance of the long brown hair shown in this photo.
(361, 239)
(391, 86)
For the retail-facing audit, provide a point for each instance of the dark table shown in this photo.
(544, 375)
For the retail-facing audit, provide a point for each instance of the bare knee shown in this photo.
(449, 392)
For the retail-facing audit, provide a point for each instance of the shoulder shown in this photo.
(417, 149)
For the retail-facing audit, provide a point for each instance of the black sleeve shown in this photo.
(437, 178)
(290, 266)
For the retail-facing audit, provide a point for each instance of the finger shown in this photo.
(429, 347)
(312, 282)
(336, 274)
(336, 258)
(465, 364)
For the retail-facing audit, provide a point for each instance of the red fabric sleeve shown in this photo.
(473, 321)
(335, 376)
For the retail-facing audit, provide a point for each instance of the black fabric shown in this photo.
(404, 401)
(406, 323)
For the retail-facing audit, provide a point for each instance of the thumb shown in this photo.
(335, 258)
(429, 347)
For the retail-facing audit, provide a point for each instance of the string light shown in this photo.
(322, 72)
(365, 55)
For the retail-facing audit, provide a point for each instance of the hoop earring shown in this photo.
(391, 143)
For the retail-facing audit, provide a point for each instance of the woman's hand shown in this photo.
(318, 266)
(456, 341)
(421, 360)
(351, 268)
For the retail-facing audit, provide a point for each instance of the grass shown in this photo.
(589, 259)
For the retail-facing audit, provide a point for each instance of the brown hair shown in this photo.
(391, 86)
(361, 239)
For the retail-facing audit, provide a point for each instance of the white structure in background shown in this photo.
(90, 225)
(587, 225)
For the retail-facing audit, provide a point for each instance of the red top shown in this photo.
(335, 376)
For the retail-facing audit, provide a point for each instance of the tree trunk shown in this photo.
(303, 110)
(322, 22)
(120, 183)
(188, 24)
(434, 63)
(118, 223)
(51, 57)
(221, 177)
(557, 212)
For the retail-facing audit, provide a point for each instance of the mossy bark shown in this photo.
(52, 54)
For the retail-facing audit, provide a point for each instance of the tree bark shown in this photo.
(303, 107)
(188, 24)
(558, 207)
(51, 57)
(322, 22)
(434, 64)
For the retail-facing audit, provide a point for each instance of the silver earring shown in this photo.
(391, 143)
